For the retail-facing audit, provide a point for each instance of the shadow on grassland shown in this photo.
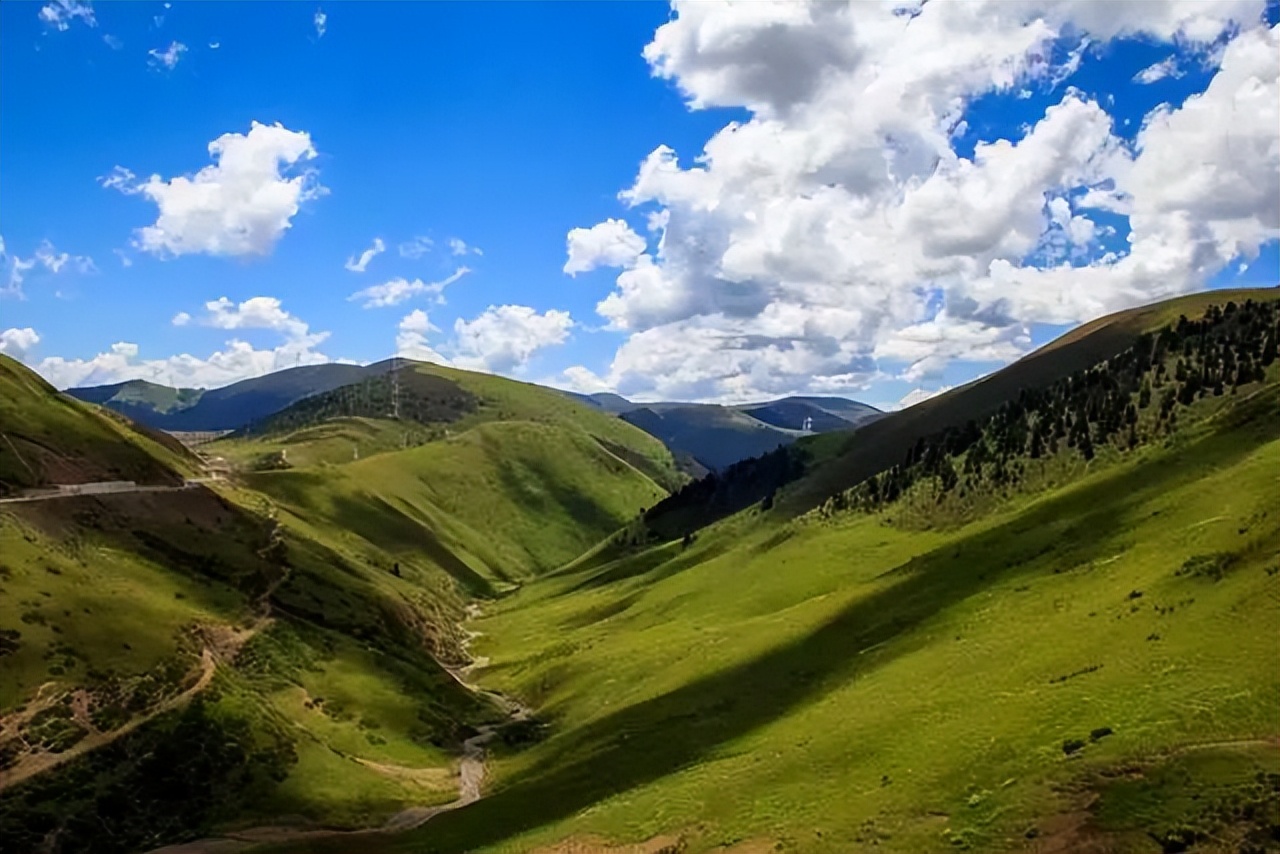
(649, 740)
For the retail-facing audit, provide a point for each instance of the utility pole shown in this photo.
(395, 388)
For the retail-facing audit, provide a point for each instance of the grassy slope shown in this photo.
(48, 438)
(757, 685)
(847, 459)
(496, 503)
(112, 599)
(343, 674)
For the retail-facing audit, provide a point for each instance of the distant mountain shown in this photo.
(701, 436)
(226, 408)
(716, 436)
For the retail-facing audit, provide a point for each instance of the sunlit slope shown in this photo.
(884, 442)
(173, 661)
(49, 438)
(810, 471)
(496, 503)
(1089, 659)
(419, 403)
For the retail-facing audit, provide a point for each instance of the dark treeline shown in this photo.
(1122, 402)
(423, 398)
(720, 494)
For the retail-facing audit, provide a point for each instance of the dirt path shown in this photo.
(471, 773)
(221, 644)
(35, 763)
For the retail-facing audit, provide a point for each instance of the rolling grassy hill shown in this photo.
(1041, 619)
(48, 438)
(1084, 663)
(275, 646)
(173, 660)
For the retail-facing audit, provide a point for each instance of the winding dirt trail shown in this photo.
(471, 773)
(221, 644)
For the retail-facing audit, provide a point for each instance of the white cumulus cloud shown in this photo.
(411, 338)
(242, 204)
(838, 227)
(504, 338)
(16, 342)
(45, 257)
(611, 243)
(1159, 71)
(320, 20)
(237, 360)
(458, 246)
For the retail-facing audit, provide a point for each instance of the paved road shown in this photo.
(104, 487)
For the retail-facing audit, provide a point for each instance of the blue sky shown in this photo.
(506, 126)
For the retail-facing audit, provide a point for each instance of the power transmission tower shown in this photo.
(395, 388)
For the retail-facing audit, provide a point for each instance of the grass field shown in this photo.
(1081, 659)
(848, 684)
(493, 505)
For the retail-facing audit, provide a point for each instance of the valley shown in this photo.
(1036, 613)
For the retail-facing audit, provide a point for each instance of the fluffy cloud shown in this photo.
(611, 243)
(504, 338)
(411, 338)
(400, 289)
(16, 342)
(169, 57)
(61, 14)
(320, 21)
(920, 395)
(256, 313)
(358, 265)
(237, 360)
(242, 204)
(838, 226)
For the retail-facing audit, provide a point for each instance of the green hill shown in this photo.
(1039, 618)
(48, 438)
(1075, 654)
(275, 645)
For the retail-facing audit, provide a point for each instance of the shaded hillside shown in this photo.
(709, 436)
(714, 436)
(49, 438)
(410, 395)
(1085, 659)
(226, 408)
(838, 461)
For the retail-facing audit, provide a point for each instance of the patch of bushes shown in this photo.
(1213, 565)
